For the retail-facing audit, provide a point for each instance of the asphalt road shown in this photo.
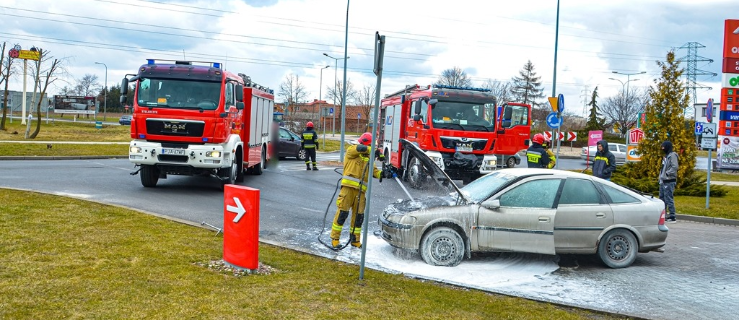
(694, 279)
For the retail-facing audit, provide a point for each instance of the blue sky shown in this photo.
(270, 39)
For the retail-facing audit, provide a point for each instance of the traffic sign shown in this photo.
(708, 143)
(330, 111)
(709, 110)
(241, 226)
(552, 102)
(560, 103)
(563, 136)
(698, 128)
(359, 116)
(553, 121)
(709, 131)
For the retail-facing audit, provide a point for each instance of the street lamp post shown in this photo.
(336, 66)
(105, 93)
(628, 79)
(320, 87)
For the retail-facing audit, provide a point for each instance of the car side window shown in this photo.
(579, 191)
(618, 196)
(284, 134)
(532, 194)
(613, 147)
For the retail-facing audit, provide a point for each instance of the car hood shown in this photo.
(402, 207)
(438, 175)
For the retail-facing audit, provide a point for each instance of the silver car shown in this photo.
(618, 149)
(526, 210)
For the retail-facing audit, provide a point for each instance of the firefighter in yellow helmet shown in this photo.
(353, 187)
(552, 158)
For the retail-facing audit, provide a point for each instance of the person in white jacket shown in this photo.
(668, 179)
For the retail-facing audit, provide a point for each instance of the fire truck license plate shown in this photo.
(179, 152)
(464, 147)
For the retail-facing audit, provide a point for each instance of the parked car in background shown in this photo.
(508, 161)
(125, 119)
(531, 210)
(618, 150)
(289, 145)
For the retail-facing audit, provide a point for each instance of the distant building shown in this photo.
(15, 98)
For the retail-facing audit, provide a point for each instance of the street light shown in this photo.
(628, 76)
(105, 93)
(336, 66)
(320, 86)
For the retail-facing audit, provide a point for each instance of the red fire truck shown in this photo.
(194, 118)
(460, 128)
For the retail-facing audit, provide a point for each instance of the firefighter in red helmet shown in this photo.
(309, 142)
(536, 155)
(353, 187)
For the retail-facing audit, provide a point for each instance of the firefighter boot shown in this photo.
(355, 240)
(315, 168)
(335, 243)
(307, 166)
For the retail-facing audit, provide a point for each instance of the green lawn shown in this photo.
(69, 258)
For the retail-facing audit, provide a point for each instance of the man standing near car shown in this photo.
(668, 179)
(309, 141)
(536, 155)
(604, 163)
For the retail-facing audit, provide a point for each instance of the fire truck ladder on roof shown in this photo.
(407, 88)
(252, 84)
(216, 65)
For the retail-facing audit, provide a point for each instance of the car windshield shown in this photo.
(180, 94)
(486, 186)
(463, 116)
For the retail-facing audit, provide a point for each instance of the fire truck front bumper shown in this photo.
(212, 156)
(459, 164)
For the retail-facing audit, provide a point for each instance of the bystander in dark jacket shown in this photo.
(604, 163)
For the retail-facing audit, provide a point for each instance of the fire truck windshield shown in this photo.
(463, 116)
(179, 94)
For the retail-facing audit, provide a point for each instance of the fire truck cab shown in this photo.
(460, 128)
(194, 118)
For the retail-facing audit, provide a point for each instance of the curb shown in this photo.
(702, 219)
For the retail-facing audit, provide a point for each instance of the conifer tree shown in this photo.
(666, 121)
(526, 88)
(594, 123)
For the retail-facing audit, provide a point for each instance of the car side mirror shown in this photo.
(491, 204)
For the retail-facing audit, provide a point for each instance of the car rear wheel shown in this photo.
(510, 162)
(618, 248)
(442, 247)
(149, 176)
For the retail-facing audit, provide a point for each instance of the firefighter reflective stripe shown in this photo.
(337, 227)
(352, 182)
(533, 156)
(308, 140)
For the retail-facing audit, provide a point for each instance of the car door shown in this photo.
(582, 214)
(524, 222)
(287, 145)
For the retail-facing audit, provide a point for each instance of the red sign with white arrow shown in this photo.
(563, 136)
(241, 226)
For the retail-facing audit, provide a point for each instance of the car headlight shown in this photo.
(134, 149)
(213, 154)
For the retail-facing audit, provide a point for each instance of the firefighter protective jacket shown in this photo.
(309, 139)
(355, 165)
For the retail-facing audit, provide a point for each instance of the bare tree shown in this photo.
(337, 92)
(292, 91)
(365, 98)
(86, 86)
(454, 77)
(50, 77)
(500, 89)
(624, 109)
(6, 70)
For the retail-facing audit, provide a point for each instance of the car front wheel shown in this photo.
(510, 162)
(618, 248)
(442, 246)
(301, 155)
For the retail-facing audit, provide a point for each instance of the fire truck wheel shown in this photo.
(149, 176)
(510, 162)
(415, 173)
(232, 173)
(239, 167)
(257, 170)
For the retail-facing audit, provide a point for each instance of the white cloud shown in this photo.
(271, 39)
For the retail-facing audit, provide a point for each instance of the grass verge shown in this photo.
(67, 131)
(68, 258)
(723, 207)
(61, 149)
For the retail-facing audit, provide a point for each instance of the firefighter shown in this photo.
(353, 187)
(548, 147)
(536, 155)
(309, 142)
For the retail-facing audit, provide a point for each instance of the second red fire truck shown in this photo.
(194, 118)
(460, 128)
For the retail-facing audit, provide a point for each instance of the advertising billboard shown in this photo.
(74, 104)
(728, 153)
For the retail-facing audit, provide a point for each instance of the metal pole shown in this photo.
(320, 109)
(708, 180)
(343, 98)
(333, 114)
(23, 98)
(554, 82)
(380, 53)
